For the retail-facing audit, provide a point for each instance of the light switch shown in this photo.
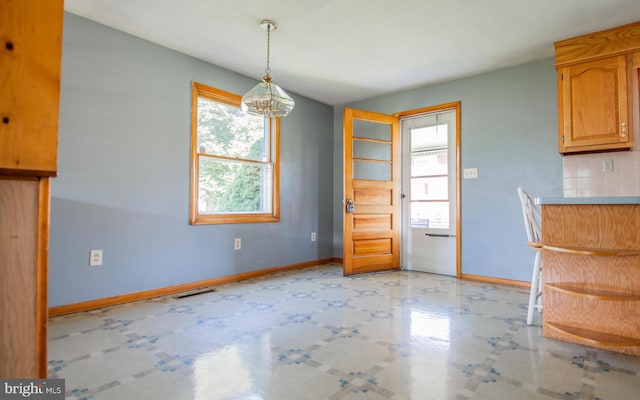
(470, 173)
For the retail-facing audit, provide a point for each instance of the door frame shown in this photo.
(455, 105)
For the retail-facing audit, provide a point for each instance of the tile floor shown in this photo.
(314, 334)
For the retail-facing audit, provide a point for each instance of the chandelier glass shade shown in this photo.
(266, 98)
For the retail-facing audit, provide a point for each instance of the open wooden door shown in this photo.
(371, 227)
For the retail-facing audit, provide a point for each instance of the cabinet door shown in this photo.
(593, 105)
(30, 54)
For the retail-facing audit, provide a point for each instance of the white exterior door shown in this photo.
(429, 188)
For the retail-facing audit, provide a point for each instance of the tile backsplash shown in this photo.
(584, 174)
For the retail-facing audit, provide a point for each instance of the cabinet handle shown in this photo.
(623, 129)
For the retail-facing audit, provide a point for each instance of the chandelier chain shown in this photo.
(268, 69)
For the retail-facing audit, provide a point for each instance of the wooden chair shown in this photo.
(531, 215)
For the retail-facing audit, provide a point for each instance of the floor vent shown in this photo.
(203, 291)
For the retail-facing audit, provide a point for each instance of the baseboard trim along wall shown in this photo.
(185, 287)
(500, 281)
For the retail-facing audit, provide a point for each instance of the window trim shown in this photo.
(221, 96)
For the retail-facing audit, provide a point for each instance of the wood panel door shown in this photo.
(593, 106)
(371, 227)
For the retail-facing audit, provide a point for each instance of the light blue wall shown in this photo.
(123, 183)
(123, 179)
(508, 132)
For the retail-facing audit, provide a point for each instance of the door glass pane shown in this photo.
(371, 130)
(374, 171)
(429, 137)
(430, 215)
(429, 162)
(434, 188)
(371, 150)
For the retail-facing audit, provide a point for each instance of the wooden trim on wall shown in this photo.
(425, 110)
(169, 290)
(337, 260)
(499, 281)
(42, 272)
(458, 193)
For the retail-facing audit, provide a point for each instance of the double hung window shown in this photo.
(234, 170)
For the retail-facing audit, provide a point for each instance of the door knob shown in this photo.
(350, 207)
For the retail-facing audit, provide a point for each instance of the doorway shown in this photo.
(430, 188)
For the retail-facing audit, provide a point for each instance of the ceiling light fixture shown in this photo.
(267, 98)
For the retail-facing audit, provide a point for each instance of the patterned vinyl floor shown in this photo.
(314, 334)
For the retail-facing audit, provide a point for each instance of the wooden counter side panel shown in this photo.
(592, 226)
(19, 344)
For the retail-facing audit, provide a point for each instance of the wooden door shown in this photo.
(371, 228)
(593, 105)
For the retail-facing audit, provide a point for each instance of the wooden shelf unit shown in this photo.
(591, 275)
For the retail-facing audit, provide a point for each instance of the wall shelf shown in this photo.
(583, 251)
(594, 338)
(592, 293)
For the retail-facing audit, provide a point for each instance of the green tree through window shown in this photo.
(244, 193)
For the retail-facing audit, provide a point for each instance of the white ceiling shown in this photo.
(339, 51)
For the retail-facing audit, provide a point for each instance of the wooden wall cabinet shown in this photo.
(30, 58)
(598, 90)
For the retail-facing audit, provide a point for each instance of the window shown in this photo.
(234, 161)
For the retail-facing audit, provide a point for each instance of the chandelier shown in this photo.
(266, 98)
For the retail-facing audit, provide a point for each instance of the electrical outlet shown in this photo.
(95, 258)
(314, 237)
(607, 166)
(237, 244)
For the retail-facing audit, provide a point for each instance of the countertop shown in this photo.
(588, 200)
